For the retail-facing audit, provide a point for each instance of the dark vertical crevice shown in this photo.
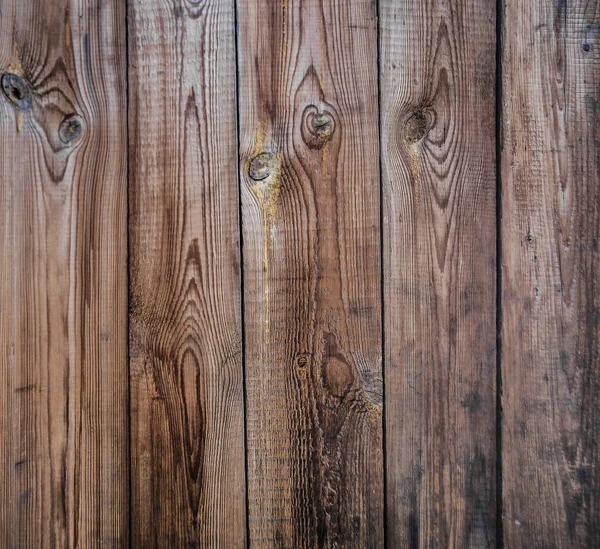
(241, 258)
(381, 265)
(499, 411)
(128, 277)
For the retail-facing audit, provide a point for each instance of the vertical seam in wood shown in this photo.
(241, 260)
(128, 277)
(499, 495)
(381, 267)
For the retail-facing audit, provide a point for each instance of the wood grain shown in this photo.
(63, 270)
(437, 127)
(188, 486)
(551, 264)
(310, 195)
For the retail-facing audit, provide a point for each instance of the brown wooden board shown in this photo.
(64, 462)
(439, 264)
(551, 274)
(309, 164)
(188, 486)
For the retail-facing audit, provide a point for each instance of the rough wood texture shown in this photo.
(550, 280)
(63, 275)
(188, 487)
(437, 122)
(310, 194)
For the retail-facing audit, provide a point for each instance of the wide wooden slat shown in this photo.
(550, 277)
(310, 195)
(63, 275)
(188, 487)
(438, 127)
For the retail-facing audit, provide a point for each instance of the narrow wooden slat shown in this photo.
(63, 275)
(188, 487)
(550, 277)
(438, 127)
(310, 195)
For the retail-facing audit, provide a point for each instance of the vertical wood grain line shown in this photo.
(499, 521)
(242, 270)
(127, 114)
(382, 279)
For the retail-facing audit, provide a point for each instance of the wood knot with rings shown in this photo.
(318, 126)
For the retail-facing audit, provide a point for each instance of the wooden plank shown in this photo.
(188, 485)
(310, 195)
(63, 266)
(438, 150)
(551, 265)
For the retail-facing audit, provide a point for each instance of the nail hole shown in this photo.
(586, 47)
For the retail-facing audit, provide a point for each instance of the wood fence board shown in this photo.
(63, 266)
(550, 279)
(310, 194)
(188, 486)
(439, 260)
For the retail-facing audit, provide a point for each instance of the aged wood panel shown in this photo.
(550, 277)
(63, 271)
(438, 150)
(188, 486)
(310, 194)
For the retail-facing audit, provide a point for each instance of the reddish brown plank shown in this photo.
(310, 195)
(550, 280)
(438, 127)
(63, 275)
(188, 487)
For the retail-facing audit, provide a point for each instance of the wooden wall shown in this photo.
(300, 274)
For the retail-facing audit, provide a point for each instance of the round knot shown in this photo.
(302, 360)
(70, 129)
(261, 165)
(318, 126)
(322, 125)
(416, 127)
(16, 90)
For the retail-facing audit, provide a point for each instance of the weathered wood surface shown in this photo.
(550, 276)
(262, 378)
(309, 164)
(63, 275)
(187, 429)
(438, 127)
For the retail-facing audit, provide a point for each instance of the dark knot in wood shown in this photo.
(416, 127)
(302, 360)
(261, 165)
(70, 129)
(322, 125)
(16, 90)
(318, 126)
